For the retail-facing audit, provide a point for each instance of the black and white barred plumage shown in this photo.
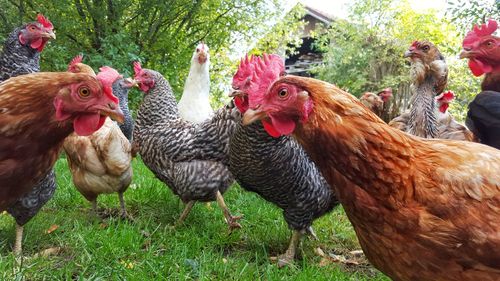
(120, 90)
(190, 159)
(17, 59)
(279, 170)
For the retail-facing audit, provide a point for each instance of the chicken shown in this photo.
(277, 169)
(22, 48)
(121, 88)
(100, 162)
(39, 110)
(378, 103)
(421, 209)
(191, 159)
(21, 55)
(448, 128)
(194, 105)
(482, 49)
(429, 74)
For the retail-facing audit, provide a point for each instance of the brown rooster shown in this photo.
(422, 209)
(38, 111)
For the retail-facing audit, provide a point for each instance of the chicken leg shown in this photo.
(185, 213)
(230, 220)
(18, 248)
(122, 206)
(288, 257)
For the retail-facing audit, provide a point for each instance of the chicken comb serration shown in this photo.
(478, 32)
(137, 67)
(107, 76)
(44, 21)
(267, 69)
(74, 61)
(244, 72)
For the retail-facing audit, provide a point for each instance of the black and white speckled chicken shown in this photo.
(190, 158)
(277, 168)
(121, 88)
(21, 55)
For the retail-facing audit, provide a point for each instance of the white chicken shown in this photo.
(194, 105)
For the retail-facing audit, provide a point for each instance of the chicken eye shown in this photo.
(283, 93)
(425, 48)
(197, 50)
(84, 92)
(489, 44)
(31, 28)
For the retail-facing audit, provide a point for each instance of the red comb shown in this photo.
(107, 76)
(446, 96)
(44, 21)
(267, 69)
(245, 71)
(75, 60)
(480, 31)
(137, 67)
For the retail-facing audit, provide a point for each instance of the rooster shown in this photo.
(194, 105)
(277, 169)
(101, 162)
(39, 111)
(21, 50)
(482, 49)
(21, 55)
(421, 209)
(378, 103)
(189, 158)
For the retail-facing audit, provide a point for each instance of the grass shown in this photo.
(148, 248)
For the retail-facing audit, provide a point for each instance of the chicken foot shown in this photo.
(18, 248)
(185, 213)
(230, 220)
(288, 257)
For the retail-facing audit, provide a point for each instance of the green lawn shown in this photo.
(147, 248)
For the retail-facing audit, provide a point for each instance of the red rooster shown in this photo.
(422, 209)
(39, 110)
(482, 49)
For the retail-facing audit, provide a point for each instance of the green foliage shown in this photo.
(366, 54)
(162, 34)
(466, 13)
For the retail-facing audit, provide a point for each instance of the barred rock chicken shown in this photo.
(422, 209)
(100, 162)
(191, 159)
(483, 50)
(121, 88)
(429, 74)
(39, 111)
(194, 105)
(277, 169)
(21, 50)
(377, 102)
(21, 55)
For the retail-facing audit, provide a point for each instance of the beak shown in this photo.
(202, 57)
(465, 54)
(113, 111)
(235, 93)
(408, 54)
(252, 115)
(49, 34)
(129, 82)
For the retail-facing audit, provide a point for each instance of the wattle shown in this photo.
(87, 124)
(279, 126)
(241, 104)
(478, 68)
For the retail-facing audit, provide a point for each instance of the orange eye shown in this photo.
(32, 28)
(84, 92)
(283, 93)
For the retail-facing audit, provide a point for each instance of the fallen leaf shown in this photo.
(52, 228)
(319, 252)
(48, 252)
(357, 253)
(224, 260)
